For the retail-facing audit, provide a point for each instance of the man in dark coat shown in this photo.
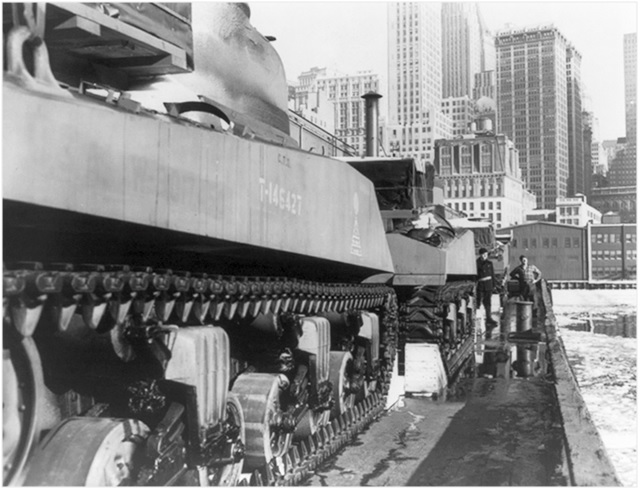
(485, 284)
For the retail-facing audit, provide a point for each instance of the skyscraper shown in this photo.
(462, 48)
(334, 102)
(587, 139)
(630, 81)
(346, 92)
(488, 46)
(631, 108)
(532, 107)
(578, 181)
(622, 171)
(415, 79)
(481, 177)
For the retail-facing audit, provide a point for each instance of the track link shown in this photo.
(106, 294)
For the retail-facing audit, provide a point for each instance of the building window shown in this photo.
(515, 243)
(545, 242)
(525, 243)
(534, 242)
(567, 242)
(576, 242)
(554, 242)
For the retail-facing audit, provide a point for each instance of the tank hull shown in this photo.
(184, 190)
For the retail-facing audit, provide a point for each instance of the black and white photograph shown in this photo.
(320, 243)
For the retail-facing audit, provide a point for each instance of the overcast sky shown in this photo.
(352, 36)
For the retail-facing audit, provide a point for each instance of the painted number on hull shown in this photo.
(280, 197)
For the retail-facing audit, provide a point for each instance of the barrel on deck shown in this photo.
(524, 312)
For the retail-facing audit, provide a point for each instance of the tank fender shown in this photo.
(200, 357)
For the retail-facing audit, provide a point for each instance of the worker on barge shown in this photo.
(485, 285)
(527, 276)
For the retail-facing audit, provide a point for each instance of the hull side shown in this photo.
(143, 170)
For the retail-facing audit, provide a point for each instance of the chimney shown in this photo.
(371, 122)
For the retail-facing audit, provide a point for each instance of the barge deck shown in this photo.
(492, 429)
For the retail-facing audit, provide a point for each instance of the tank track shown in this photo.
(33, 291)
(424, 314)
(303, 458)
(184, 298)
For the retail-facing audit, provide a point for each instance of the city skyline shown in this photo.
(353, 38)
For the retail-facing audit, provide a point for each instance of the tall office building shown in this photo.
(599, 163)
(346, 93)
(462, 48)
(630, 83)
(628, 173)
(462, 111)
(334, 102)
(306, 87)
(415, 79)
(481, 177)
(532, 107)
(622, 168)
(620, 196)
(579, 174)
(488, 46)
(587, 140)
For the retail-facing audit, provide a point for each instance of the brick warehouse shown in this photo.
(565, 252)
(558, 250)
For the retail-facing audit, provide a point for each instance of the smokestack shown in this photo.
(371, 122)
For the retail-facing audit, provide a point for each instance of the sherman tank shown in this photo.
(183, 297)
(433, 255)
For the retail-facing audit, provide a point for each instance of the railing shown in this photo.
(594, 284)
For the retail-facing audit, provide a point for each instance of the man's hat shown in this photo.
(483, 250)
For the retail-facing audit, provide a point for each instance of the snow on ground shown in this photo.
(566, 299)
(606, 370)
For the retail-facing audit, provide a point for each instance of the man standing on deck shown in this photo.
(527, 276)
(485, 284)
